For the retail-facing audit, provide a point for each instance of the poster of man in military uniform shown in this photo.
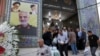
(24, 28)
(24, 21)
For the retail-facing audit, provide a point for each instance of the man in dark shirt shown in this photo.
(47, 37)
(83, 38)
(79, 44)
(93, 42)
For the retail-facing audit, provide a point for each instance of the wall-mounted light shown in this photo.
(60, 15)
(49, 14)
(60, 19)
(48, 24)
(56, 23)
(50, 19)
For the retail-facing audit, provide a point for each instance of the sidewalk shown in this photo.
(33, 51)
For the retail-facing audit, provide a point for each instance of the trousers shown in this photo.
(93, 50)
(63, 48)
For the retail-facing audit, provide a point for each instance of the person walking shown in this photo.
(47, 37)
(62, 43)
(93, 42)
(72, 41)
(83, 38)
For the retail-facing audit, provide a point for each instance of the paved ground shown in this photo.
(32, 52)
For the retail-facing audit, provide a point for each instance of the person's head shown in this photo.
(41, 42)
(71, 30)
(60, 32)
(16, 4)
(57, 30)
(49, 30)
(64, 28)
(77, 29)
(68, 28)
(23, 18)
(33, 7)
(89, 33)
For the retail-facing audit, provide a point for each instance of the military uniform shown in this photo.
(44, 51)
(28, 30)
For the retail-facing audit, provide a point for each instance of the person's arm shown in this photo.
(48, 52)
(38, 54)
(98, 41)
(66, 40)
(59, 40)
(97, 38)
(69, 37)
(84, 37)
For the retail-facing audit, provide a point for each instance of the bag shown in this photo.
(55, 40)
(97, 52)
(54, 51)
(87, 51)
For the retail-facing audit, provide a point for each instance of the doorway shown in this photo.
(59, 14)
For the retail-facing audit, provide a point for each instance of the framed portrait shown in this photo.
(25, 16)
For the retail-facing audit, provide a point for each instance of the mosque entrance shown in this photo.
(59, 14)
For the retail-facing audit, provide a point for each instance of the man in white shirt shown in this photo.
(62, 43)
(43, 50)
(65, 32)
